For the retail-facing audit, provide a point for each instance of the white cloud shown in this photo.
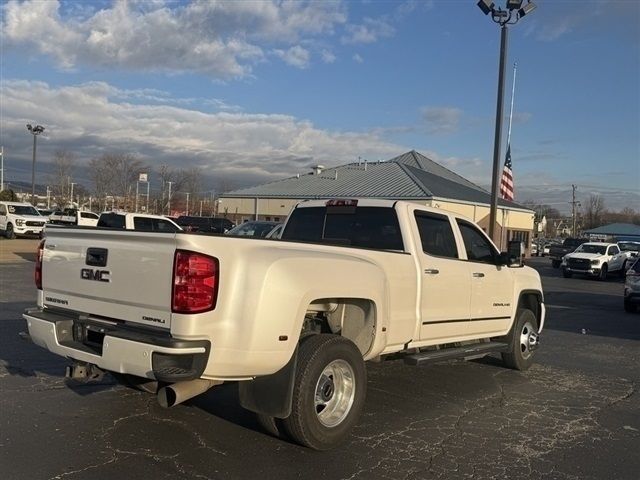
(221, 39)
(91, 119)
(295, 56)
(327, 56)
(441, 120)
(369, 31)
(357, 58)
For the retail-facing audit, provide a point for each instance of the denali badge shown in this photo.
(97, 275)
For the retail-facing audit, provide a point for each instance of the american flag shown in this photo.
(506, 183)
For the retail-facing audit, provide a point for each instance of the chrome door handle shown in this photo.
(478, 274)
(431, 271)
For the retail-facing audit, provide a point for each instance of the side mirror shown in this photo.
(515, 254)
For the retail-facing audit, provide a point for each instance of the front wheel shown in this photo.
(603, 273)
(9, 233)
(523, 341)
(329, 391)
(566, 274)
(555, 263)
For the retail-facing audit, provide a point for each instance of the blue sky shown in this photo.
(255, 91)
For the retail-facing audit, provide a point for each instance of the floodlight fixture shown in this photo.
(486, 6)
(528, 8)
(514, 4)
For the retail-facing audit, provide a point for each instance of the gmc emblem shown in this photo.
(97, 275)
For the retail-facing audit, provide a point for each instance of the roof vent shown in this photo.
(317, 169)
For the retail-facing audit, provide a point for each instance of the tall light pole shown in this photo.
(187, 213)
(72, 184)
(169, 199)
(35, 131)
(513, 12)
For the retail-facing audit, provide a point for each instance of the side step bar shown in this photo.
(432, 356)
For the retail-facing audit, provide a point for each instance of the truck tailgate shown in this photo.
(121, 275)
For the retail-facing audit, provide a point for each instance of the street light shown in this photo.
(35, 131)
(513, 12)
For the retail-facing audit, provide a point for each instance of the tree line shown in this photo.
(114, 181)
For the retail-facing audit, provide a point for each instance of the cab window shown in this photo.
(477, 246)
(613, 250)
(436, 235)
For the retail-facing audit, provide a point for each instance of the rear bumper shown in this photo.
(121, 350)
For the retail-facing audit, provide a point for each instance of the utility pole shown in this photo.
(48, 197)
(573, 210)
(169, 200)
(187, 205)
(200, 207)
(137, 194)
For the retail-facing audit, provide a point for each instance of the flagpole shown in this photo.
(513, 92)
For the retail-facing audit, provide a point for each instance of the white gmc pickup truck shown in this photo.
(292, 320)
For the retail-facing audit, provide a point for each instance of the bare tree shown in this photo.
(594, 211)
(60, 178)
(115, 174)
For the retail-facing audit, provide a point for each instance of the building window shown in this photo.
(519, 235)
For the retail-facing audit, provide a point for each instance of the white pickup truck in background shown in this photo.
(594, 259)
(293, 321)
(17, 218)
(72, 216)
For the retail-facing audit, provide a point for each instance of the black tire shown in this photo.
(9, 233)
(555, 263)
(323, 361)
(604, 270)
(623, 269)
(630, 307)
(522, 341)
(138, 383)
(566, 274)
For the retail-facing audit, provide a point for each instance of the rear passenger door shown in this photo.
(492, 286)
(444, 278)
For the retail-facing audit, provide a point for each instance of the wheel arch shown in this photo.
(532, 300)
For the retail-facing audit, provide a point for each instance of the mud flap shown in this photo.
(271, 394)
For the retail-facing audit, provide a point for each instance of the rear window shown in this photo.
(92, 216)
(366, 227)
(111, 220)
(147, 224)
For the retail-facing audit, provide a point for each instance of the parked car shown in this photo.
(557, 251)
(256, 228)
(595, 260)
(18, 218)
(352, 281)
(204, 224)
(534, 250)
(632, 287)
(275, 232)
(138, 221)
(631, 250)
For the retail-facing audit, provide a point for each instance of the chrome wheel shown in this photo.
(528, 340)
(335, 393)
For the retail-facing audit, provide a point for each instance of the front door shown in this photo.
(445, 281)
(491, 305)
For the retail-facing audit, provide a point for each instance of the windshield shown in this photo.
(22, 210)
(586, 248)
(629, 246)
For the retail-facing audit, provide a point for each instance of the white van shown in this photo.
(18, 218)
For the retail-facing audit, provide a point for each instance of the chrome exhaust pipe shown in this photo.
(179, 392)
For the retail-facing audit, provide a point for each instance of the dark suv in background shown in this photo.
(204, 224)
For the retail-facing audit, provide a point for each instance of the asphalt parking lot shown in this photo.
(574, 415)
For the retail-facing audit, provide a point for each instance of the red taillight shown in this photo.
(195, 282)
(38, 273)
